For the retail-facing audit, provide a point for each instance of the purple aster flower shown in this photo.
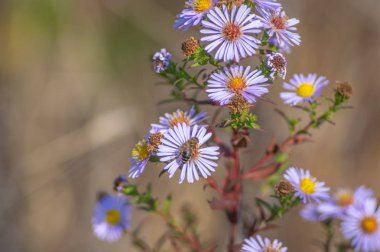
(307, 188)
(143, 151)
(303, 88)
(277, 63)
(161, 60)
(258, 244)
(336, 206)
(361, 225)
(193, 14)
(111, 217)
(168, 121)
(140, 159)
(231, 32)
(223, 86)
(280, 26)
(266, 5)
(181, 148)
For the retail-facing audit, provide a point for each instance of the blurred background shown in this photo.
(77, 92)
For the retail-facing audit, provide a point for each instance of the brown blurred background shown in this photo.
(76, 93)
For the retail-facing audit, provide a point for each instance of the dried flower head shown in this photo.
(283, 189)
(344, 89)
(154, 141)
(238, 104)
(229, 3)
(190, 46)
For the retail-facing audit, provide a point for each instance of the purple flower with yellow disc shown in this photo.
(236, 80)
(111, 217)
(193, 13)
(307, 188)
(303, 88)
(361, 225)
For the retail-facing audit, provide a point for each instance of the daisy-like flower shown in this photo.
(143, 151)
(181, 148)
(231, 32)
(303, 88)
(193, 14)
(361, 225)
(168, 121)
(277, 63)
(259, 244)
(223, 86)
(307, 188)
(336, 206)
(111, 217)
(266, 5)
(312, 213)
(280, 26)
(161, 60)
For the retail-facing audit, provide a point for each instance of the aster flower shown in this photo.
(231, 32)
(111, 217)
(361, 225)
(259, 244)
(266, 5)
(168, 121)
(181, 148)
(303, 88)
(307, 188)
(236, 80)
(143, 151)
(311, 212)
(161, 60)
(140, 158)
(277, 63)
(336, 206)
(193, 14)
(281, 27)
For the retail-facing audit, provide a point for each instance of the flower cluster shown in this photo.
(176, 141)
(357, 212)
(186, 143)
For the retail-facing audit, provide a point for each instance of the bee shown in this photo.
(187, 149)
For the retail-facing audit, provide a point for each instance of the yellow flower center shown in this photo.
(307, 186)
(369, 225)
(179, 118)
(305, 90)
(236, 85)
(140, 151)
(345, 199)
(113, 217)
(202, 5)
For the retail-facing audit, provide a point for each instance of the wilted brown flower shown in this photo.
(229, 3)
(283, 189)
(344, 89)
(190, 46)
(154, 142)
(238, 104)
